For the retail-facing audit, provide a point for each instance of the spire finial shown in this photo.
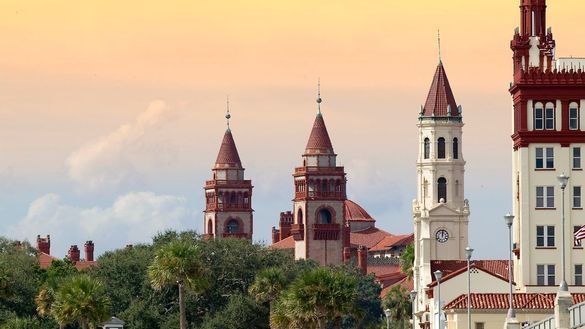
(227, 114)
(439, 43)
(319, 100)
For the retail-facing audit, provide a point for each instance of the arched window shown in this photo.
(233, 199)
(427, 150)
(441, 148)
(442, 189)
(538, 116)
(233, 226)
(455, 148)
(324, 216)
(324, 186)
(549, 116)
(300, 216)
(209, 227)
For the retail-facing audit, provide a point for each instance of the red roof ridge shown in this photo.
(500, 300)
(440, 98)
(228, 153)
(286, 243)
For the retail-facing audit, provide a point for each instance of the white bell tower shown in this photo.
(440, 210)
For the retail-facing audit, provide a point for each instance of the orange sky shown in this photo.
(73, 72)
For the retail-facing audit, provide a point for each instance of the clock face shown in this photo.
(442, 236)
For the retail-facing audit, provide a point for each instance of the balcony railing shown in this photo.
(326, 231)
(235, 235)
(318, 194)
(320, 170)
(298, 232)
(227, 206)
(228, 183)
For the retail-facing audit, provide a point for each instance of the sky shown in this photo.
(112, 112)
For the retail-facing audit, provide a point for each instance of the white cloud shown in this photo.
(124, 156)
(132, 218)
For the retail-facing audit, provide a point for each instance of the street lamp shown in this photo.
(412, 298)
(509, 218)
(563, 180)
(438, 276)
(468, 253)
(388, 314)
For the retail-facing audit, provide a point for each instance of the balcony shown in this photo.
(298, 232)
(228, 183)
(323, 195)
(326, 231)
(235, 235)
(319, 170)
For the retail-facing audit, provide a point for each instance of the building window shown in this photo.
(577, 197)
(545, 236)
(455, 148)
(538, 117)
(300, 216)
(576, 158)
(233, 226)
(545, 158)
(209, 227)
(480, 325)
(576, 243)
(573, 116)
(324, 216)
(545, 275)
(578, 274)
(442, 189)
(441, 148)
(545, 197)
(550, 117)
(427, 148)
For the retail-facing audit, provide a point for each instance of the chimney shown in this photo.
(275, 235)
(362, 255)
(89, 251)
(346, 255)
(286, 221)
(44, 244)
(74, 254)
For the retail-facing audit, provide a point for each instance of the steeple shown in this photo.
(319, 141)
(440, 100)
(228, 156)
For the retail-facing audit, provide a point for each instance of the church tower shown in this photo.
(319, 219)
(440, 210)
(228, 206)
(549, 137)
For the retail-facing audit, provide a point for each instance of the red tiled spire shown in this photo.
(440, 96)
(228, 153)
(319, 141)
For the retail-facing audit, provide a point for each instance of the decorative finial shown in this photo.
(439, 42)
(228, 115)
(319, 100)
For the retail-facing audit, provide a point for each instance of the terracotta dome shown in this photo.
(355, 213)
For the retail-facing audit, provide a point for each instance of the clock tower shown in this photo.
(440, 210)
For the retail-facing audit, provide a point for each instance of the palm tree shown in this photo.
(268, 285)
(407, 261)
(81, 298)
(316, 299)
(178, 262)
(397, 299)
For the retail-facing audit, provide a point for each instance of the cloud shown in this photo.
(124, 156)
(132, 218)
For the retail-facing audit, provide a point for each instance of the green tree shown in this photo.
(81, 299)
(179, 262)
(240, 312)
(397, 300)
(407, 261)
(268, 284)
(21, 323)
(316, 299)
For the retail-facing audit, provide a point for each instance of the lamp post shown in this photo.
(412, 298)
(563, 180)
(509, 218)
(468, 253)
(438, 276)
(388, 314)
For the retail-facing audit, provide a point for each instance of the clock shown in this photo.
(442, 236)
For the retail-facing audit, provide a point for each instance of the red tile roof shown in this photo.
(452, 268)
(500, 301)
(45, 260)
(354, 212)
(319, 141)
(228, 153)
(286, 243)
(82, 265)
(368, 237)
(393, 241)
(440, 96)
